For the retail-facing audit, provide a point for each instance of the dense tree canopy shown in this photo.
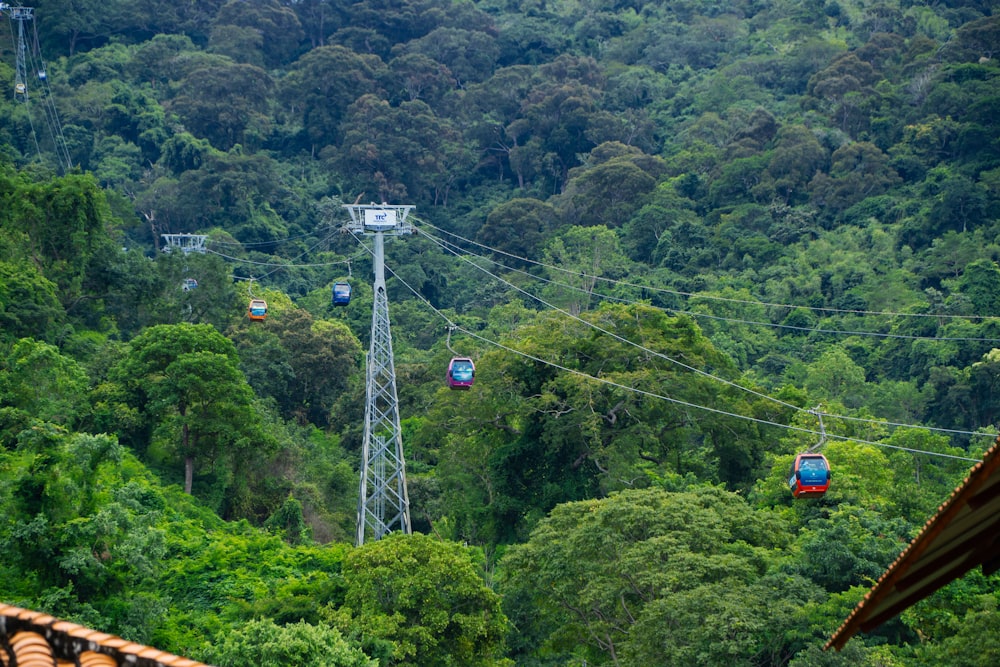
(672, 236)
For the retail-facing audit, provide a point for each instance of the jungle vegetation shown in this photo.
(680, 232)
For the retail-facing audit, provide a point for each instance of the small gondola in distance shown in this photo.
(809, 476)
(461, 373)
(257, 310)
(341, 294)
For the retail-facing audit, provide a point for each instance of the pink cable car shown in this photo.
(461, 373)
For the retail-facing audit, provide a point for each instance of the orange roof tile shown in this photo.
(40, 640)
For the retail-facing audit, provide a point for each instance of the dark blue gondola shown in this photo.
(341, 294)
(461, 373)
(809, 476)
(189, 284)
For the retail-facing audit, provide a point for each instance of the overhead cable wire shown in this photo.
(735, 320)
(279, 264)
(705, 296)
(658, 354)
(31, 125)
(49, 108)
(259, 243)
(285, 265)
(843, 332)
(650, 394)
(617, 337)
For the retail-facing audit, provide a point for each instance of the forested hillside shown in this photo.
(682, 241)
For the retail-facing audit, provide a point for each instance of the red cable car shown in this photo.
(461, 373)
(809, 476)
(257, 310)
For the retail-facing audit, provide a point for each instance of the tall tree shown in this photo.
(44, 383)
(322, 84)
(185, 378)
(29, 305)
(225, 104)
(645, 576)
(517, 227)
(264, 642)
(65, 221)
(276, 25)
(611, 187)
(426, 599)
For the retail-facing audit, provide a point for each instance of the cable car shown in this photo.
(809, 476)
(341, 294)
(41, 75)
(20, 89)
(257, 310)
(461, 373)
(189, 284)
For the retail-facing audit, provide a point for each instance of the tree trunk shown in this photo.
(188, 460)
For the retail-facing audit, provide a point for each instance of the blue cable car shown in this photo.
(257, 310)
(809, 476)
(461, 373)
(341, 294)
(189, 284)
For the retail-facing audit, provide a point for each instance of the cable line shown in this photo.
(28, 57)
(874, 334)
(658, 354)
(668, 398)
(617, 337)
(49, 108)
(691, 313)
(710, 297)
(844, 417)
(278, 266)
(258, 243)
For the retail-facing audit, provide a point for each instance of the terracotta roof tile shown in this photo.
(95, 659)
(41, 640)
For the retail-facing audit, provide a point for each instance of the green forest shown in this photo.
(683, 241)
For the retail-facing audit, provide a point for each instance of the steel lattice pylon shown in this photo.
(20, 14)
(186, 243)
(383, 503)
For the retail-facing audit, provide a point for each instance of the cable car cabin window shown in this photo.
(257, 309)
(341, 294)
(461, 373)
(809, 476)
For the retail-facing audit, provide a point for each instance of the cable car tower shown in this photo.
(186, 243)
(19, 14)
(28, 57)
(383, 503)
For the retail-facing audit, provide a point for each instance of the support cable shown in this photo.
(606, 297)
(704, 296)
(843, 417)
(668, 398)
